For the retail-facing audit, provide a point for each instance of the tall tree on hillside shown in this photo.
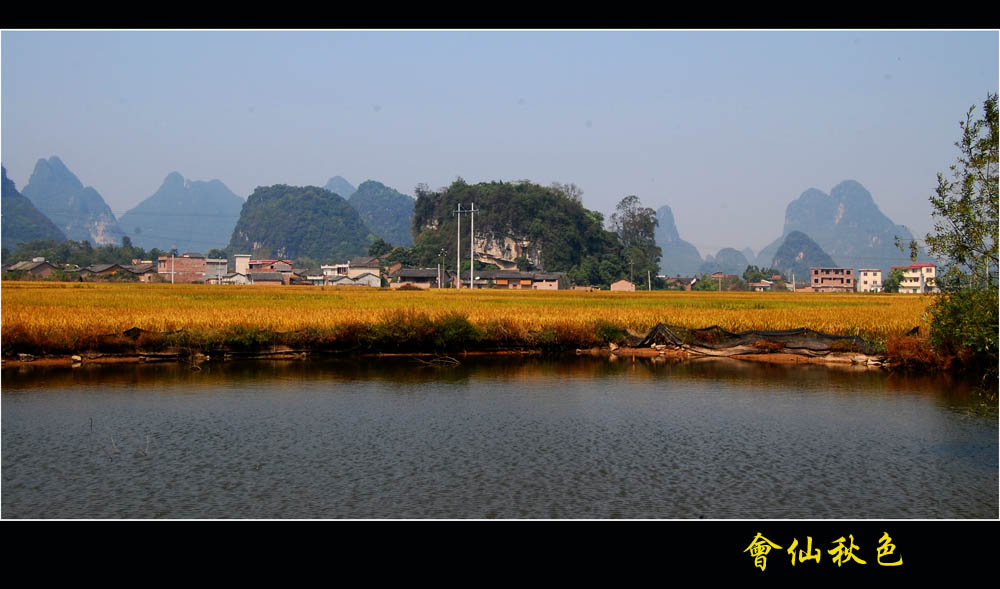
(570, 191)
(636, 227)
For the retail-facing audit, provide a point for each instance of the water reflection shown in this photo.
(404, 370)
(492, 437)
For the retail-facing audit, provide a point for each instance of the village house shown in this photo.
(215, 269)
(235, 278)
(678, 282)
(100, 270)
(918, 278)
(367, 279)
(145, 271)
(549, 281)
(586, 288)
(514, 280)
(870, 280)
(242, 264)
(622, 286)
(762, 286)
(281, 267)
(359, 266)
(187, 268)
(333, 270)
(37, 268)
(832, 279)
(418, 278)
(266, 278)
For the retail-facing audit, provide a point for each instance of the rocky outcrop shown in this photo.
(504, 251)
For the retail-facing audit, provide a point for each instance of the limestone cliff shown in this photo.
(504, 250)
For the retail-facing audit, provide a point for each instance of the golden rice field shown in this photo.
(60, 311)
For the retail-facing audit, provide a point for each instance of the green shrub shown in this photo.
(964, 325)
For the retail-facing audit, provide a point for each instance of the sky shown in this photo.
(725, 127)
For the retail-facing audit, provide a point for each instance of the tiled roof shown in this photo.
(266, 276)
(96, 268)
(364, 262)
(416, 273)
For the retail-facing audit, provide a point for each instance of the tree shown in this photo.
(964, 318)
(965, 207)
(379, 248)
(570, 191)
(891, 284)
(636, 227)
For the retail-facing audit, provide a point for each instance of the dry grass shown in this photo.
(73, 316)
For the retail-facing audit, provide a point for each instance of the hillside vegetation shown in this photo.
(283, 221)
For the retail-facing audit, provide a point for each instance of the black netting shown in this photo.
(717, 338)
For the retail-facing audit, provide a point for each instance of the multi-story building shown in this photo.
(282, 267)
(870, 280)
(216, 269)
(359, 266)
(918, 278)
(832, 279)
(191, 267)
(187, 267)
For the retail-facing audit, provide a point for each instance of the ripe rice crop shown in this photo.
(70, 317)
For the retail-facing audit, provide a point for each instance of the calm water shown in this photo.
(493, 438)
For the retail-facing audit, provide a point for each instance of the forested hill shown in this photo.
(539, 225)
(294, 222)
(385, 211)
(22, 222)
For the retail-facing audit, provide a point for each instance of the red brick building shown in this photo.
(185, 268)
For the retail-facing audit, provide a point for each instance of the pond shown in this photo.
(494, 437)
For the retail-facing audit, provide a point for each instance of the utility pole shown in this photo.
(472, 246)
(171, 268)
(458, 249)
(649, 281)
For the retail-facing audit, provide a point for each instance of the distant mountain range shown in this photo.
(22, 221)
(847, 225)
(80, 212)
(187, 215)
(728, 260)
(845, 228)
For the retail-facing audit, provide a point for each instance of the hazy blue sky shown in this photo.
(725, 127)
